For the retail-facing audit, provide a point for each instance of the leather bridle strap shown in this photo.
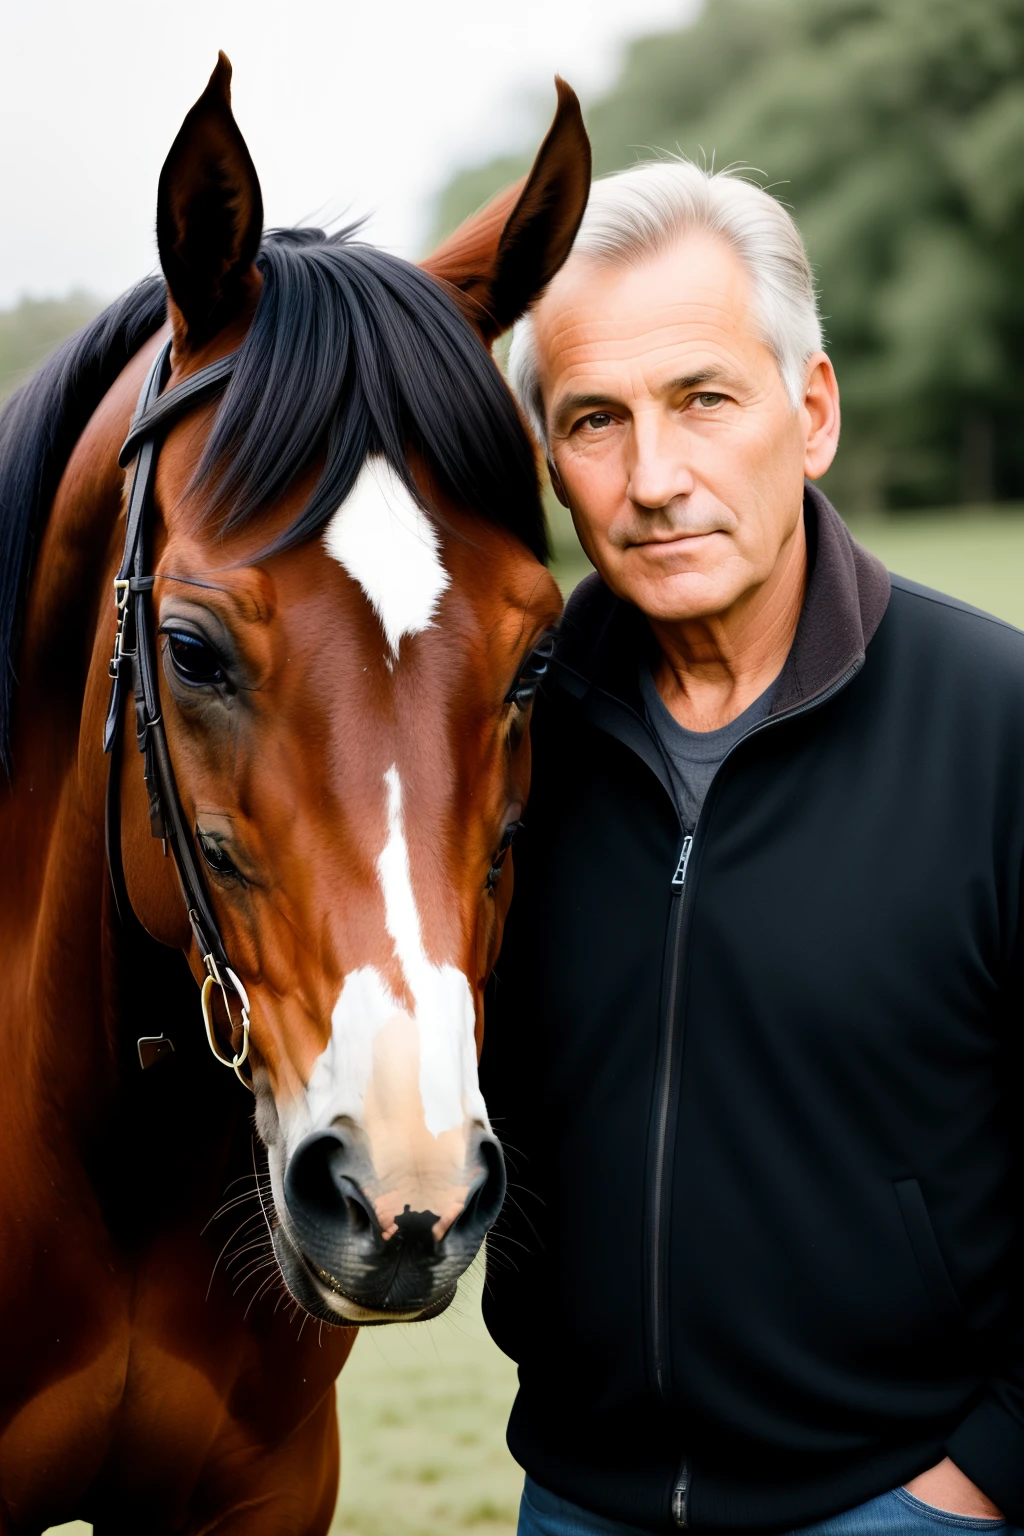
(134, 663)
(162, 410)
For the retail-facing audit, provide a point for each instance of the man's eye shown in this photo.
(597, 420)
(195, 662)
(709, 400)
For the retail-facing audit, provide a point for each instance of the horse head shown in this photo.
(352, 613)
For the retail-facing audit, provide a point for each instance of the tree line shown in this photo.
(894, 129)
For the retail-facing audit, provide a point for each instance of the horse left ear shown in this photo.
(502, 258)
(209, 217)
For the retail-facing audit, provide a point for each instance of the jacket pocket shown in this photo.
(925, 1247)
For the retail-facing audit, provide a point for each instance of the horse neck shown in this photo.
(57, 936)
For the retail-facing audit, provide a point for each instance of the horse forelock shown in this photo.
(353, 352)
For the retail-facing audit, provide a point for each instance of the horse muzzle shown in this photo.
(342, 1265)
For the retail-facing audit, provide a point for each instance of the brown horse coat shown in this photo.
(349, 776)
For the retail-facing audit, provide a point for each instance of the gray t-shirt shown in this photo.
(694, 757)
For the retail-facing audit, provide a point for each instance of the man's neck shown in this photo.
(711, 669)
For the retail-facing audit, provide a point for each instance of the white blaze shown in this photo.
(443, 1001)
(442, 1011)
(388, 544)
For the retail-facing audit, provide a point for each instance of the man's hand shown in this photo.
(946, 1487)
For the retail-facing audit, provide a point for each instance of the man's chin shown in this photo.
(674, 589)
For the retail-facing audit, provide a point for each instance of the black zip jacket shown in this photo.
(761, 1258)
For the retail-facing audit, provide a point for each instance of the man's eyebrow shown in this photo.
(691, 380)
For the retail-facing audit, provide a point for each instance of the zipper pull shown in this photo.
(681, 1498)
(679, 878)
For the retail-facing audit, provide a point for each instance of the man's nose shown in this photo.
(659, 464)
(337, 1226)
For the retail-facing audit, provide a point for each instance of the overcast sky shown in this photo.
(348, 108)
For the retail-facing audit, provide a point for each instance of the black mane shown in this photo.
(351, 352)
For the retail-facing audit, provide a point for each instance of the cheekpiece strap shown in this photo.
(134, 664)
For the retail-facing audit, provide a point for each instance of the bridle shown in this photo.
(135, 663)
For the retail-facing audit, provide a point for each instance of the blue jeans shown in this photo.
(897, 1513)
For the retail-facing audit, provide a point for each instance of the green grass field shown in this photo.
(423, 1408)
(979, 558)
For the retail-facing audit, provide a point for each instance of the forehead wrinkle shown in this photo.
(670, 369)
(691, 310)
(649, 344)
(683, 259)
(610, 315)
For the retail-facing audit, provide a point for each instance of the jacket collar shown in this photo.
(603, 639)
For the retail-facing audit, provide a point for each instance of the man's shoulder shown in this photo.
(956, 628)
(949, 648)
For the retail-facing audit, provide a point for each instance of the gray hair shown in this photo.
(639, 213)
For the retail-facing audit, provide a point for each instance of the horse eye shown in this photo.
(216, 856)
(195, 662)
(507, 838)
(532, 673)
(509, 835)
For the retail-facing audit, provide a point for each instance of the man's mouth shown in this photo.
(674, 541)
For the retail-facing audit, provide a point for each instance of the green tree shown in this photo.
(894, 129)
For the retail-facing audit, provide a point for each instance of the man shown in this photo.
(755, 1035)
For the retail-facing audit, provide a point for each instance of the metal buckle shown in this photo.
(122, 590)
(214, 979)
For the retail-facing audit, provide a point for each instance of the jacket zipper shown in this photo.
(679, 878)
(681, 1491)
(681, 1497)
(664, 1106)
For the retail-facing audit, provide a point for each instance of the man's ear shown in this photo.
(209, 217)
(501, 258)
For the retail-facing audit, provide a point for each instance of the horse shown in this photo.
(313, 585)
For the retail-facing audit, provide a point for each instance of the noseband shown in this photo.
(134, 664)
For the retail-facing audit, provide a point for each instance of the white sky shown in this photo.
(347, 107)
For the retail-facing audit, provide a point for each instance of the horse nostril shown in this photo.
(321, 1190)
(486, 1195)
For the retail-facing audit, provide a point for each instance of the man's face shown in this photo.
(671, 435)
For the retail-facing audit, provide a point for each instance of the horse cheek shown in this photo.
(149, 874)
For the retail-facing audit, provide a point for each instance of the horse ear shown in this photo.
(501, 258)
(209, 216)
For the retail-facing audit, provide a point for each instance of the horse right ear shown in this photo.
(209, 217)
(503, 257)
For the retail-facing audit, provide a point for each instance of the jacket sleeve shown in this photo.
(988, 1446)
